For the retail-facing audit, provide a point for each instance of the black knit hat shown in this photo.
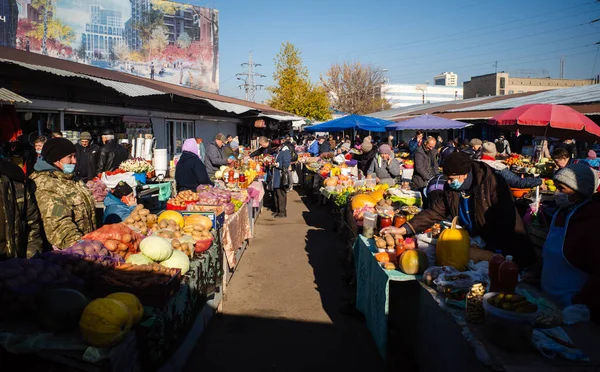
(57, 148)
(122, 189)
(456, 164)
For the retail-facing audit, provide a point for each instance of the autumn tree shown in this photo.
(355, 88)
(49, 27)
(121, 51)
(158, 40)
(294, 92)
(184, 40)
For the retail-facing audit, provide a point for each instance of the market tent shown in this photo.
(547, 120)
(356, 122)
(427, 122)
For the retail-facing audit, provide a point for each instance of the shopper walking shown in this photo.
(280, 180)
(86, 155)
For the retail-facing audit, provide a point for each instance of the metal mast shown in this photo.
(249, 84)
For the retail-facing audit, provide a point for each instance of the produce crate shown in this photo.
(157, 295)
(218, 219)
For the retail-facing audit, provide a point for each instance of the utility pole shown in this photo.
(562, 67)
(249, 84)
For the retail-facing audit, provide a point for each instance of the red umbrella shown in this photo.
(547, 120)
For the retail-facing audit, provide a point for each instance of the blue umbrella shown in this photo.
(427, 122)
(356, 122)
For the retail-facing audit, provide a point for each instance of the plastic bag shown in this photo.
(576, 314)
(454, 279)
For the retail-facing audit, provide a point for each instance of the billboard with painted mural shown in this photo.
(157, 39)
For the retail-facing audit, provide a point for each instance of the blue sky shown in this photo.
(413, 40)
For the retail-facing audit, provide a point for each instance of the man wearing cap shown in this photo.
(215, 156)
(484, 204)
(86, 155)
(112, 154)
(232, 149)
(67, 207)
(488, 156)
(426, 164)
(385, 167)
(474, 149)
(119, 203)
(571, 265)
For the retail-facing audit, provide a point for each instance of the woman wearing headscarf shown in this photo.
(190, 171)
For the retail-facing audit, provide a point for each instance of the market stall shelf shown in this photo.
(372, 292)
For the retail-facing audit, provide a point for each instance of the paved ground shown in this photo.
(281, 309)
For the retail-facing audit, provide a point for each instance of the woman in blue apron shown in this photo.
(571, 268)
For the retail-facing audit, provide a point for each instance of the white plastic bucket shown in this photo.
(161, 162)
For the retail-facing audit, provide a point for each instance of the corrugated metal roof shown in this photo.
(131, 90)
(12, 97)
(394, 113)
(282, 117)
(565, 96)
(229, 107)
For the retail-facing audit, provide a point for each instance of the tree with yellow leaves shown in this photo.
(294, 92)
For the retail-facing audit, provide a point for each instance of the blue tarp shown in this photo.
(357, 122)
(427, 122)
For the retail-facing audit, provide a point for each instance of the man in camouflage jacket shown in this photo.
(67, 207)
(20, 229)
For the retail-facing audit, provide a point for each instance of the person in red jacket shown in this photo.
(571, 266)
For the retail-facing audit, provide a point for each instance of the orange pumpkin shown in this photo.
(362, 200)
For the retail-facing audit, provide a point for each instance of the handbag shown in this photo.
(285, 177)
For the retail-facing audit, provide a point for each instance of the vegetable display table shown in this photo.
(235, 231)
(372, 290)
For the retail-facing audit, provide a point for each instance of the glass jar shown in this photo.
(384, 222)
(399, 220)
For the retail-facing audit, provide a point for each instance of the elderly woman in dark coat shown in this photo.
(281, 179)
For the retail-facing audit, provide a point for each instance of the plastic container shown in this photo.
(508, 275)
(507, 329)
(369, 225)
(494, 265)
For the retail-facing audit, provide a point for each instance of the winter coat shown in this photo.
(87, 161)
(475, 155)
(313, 148)
(413, 146)
(228, 151)
(512, 179)
(13, 229)
(426, 167)
(215, 158)
(445, 152)
(115, 210)
(494, 215)
(366, 159)
(67, 207)
(284, 159)
(30, 161)
(384, 171)
(191, 172)
(324, 147)
(111, 156)
(261, 151)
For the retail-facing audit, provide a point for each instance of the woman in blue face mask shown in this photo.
(484, 204)
(571, 265)
(66, 206)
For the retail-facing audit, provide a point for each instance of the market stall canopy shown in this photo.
(357, 122)
(6, 96)
(547, 120)
(428, 122)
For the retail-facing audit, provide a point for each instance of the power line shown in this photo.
(248, 78)
(471, 31)
(500, 51)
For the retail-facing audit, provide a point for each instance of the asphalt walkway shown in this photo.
(281, 308)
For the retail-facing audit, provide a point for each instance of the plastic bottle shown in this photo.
(508, 275)
(495, 263)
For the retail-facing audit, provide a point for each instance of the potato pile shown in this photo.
(136, 276)
(183, 198)
(166, 224)
(186, 248)
(118, 238)
(198, 232)
(141, 219)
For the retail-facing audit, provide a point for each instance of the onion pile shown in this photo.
(98, 189)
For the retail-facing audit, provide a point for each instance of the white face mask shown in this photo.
(562, 200)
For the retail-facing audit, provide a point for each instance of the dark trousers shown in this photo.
(280, 200)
